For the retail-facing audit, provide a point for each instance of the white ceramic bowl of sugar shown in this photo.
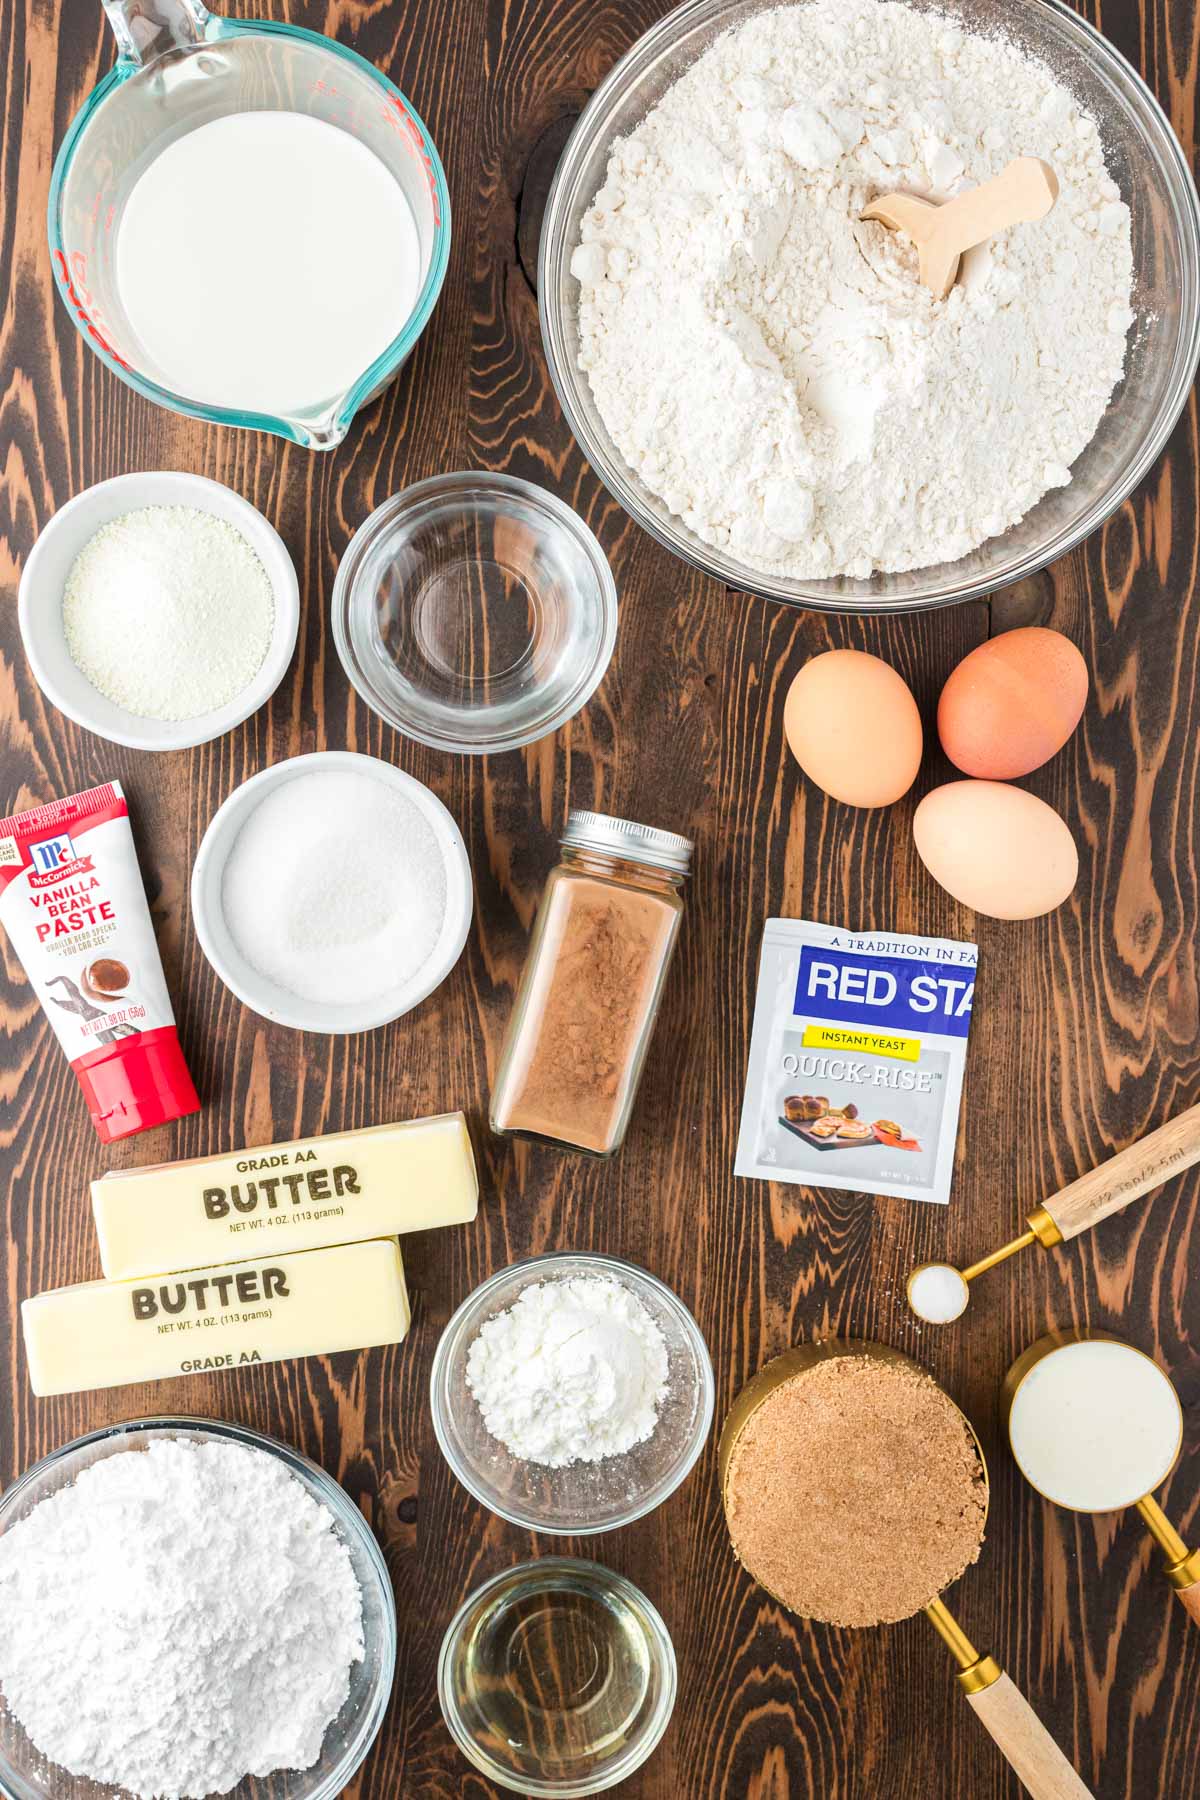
(267, 996)
(40, 607)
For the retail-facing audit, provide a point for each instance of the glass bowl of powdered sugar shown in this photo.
(755, 372)
(188, 1607)
(572, 1393)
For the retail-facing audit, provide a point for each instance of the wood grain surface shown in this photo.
(1086, 1032)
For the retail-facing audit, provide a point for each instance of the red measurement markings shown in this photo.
(80, 300)
(400, 119)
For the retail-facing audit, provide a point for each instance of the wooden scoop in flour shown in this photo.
(1025, 191)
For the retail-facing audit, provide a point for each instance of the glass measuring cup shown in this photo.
(180, 67)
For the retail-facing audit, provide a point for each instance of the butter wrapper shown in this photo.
(856, 1060)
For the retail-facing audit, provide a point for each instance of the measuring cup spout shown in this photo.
(144, 29)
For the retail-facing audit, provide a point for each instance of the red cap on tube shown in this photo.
(136, 1083)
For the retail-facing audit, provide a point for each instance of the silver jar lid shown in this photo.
(624, 837)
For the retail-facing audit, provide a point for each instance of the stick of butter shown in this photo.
(286, 1197)
(109, 1333)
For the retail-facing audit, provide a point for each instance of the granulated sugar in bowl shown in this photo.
(332, 892)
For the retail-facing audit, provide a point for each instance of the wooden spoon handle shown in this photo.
(1128, 1175)
(1025, 1743)
(1024, 191)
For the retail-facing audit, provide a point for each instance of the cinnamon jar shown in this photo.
(593, 979)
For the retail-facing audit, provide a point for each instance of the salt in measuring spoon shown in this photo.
(938, 1292)
(1095, 1426)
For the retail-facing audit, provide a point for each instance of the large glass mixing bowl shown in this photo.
(25, 1774)
(1144, 158)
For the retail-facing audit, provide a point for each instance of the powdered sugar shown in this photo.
(168, 612)
(179, 1617)
(573, 1371)
(768, 363)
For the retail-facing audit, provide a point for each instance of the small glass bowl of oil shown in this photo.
(557, 1678)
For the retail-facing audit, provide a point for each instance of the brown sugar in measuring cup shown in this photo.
(875, 1442)
(854, 1491)
(593, 979)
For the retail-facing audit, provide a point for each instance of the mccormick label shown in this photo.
(73, 906)
(856, 1060)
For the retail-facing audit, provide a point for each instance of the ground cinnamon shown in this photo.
(587, 1003)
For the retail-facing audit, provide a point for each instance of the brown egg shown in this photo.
(1012, 703)
(853, 726)
(996, 848)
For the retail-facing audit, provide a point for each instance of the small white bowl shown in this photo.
(45, 576)
(266, 997)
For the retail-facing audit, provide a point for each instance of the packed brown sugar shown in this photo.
(855, 1493)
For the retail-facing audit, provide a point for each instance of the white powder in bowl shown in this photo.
(768, 363)
(335, 888)
(168, 612)
(177, 1618)
(573, 1371)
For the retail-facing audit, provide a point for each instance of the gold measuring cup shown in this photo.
(1019, 1734)
(1124, 1178)
(1095, 1426)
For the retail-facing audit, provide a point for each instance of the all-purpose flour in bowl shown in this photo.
(768, 363)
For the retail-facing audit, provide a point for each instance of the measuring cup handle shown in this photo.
(145, 28)
(1189, 1598)
(1168, 1151)
(1025, 1743)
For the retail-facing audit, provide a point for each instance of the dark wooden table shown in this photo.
(1086, 1033)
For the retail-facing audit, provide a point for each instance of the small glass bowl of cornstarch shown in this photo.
(159, 610)
(553, 1456)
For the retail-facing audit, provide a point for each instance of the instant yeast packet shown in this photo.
(856, 1060)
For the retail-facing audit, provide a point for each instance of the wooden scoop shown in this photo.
(1025, 191)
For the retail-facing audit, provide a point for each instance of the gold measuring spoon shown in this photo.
(938, 1292)
(1003, 1710)
(1095, 1425)
(1021, 193)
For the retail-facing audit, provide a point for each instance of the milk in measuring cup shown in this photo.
(264, 261)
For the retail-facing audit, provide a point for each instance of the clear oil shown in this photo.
(557, 1672)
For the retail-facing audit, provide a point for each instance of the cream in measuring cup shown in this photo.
(247, 221)
(265, 260)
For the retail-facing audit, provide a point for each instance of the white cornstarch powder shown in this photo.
(769, 365)
(574, 1371)
(168, 612)
(178, 1618)
(335, 887)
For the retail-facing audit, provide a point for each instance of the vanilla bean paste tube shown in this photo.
(73, 905)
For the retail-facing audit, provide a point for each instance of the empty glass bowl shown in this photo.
(1144, 158)
(26, 1775)
(475, 612)
(583, 1498)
